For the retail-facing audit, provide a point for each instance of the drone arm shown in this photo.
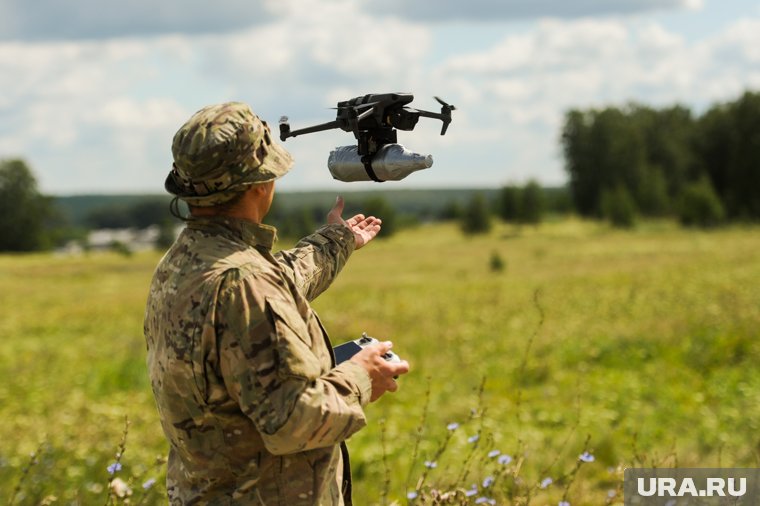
(445, 117)
(286, 133)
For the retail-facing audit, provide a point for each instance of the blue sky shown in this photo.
(91, 94)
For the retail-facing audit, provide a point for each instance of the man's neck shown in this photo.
(248, 208)
(231, 213)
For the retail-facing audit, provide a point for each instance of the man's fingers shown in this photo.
(363, 223)
(399, 368)
(393, 368)
(339, 203)
(382, 372)
(334, 216)
(360, 219)
(354, 220)
(383, 347)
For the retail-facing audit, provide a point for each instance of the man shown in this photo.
(250, 399)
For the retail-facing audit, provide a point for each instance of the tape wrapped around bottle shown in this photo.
(392, 162)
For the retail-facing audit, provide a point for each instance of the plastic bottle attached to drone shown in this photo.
(392, 162)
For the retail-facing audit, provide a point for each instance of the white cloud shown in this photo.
(129, 114)
(330, 42)
(739, 42)
(70, 109)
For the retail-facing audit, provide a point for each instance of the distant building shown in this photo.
(124, 239)
(132, 239)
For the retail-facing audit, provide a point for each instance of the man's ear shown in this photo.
(260, 189)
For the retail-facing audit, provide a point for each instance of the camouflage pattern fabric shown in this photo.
(242, 369)
(221, 151)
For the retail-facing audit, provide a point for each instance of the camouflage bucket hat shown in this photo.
(221, 151)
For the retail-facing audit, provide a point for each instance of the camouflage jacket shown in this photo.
(242, 369)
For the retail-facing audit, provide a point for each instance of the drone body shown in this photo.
(374, 120)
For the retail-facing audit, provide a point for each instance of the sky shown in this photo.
(92, 91)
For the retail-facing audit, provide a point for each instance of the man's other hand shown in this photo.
(364, 228)
(381, 372)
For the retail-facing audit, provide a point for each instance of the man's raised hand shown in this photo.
(364, 228)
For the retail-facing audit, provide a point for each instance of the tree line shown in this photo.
(637, 160)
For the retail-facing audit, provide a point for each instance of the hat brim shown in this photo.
(277, 163)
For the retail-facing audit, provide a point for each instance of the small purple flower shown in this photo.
(505, 459)
(452, 426)
(493, 453)
(412, 494)
(488, 481)
(546, 482)
(473, 438)
(113, 468)
(563, 503)
(473, 490)
(586, 457)
(148, 483)
(431, 464)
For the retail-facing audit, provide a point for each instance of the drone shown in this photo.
(374, 120)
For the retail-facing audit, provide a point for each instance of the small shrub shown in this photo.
(618, 207)
(496, 263)
(699, 205)
(476, 218)
(510, 203)
(532, 203)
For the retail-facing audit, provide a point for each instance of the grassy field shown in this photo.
(640, 348)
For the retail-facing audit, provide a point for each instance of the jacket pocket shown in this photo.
(296, 358)
(305, 477)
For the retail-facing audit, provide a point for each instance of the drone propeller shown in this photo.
(445, 105)
(444, 115)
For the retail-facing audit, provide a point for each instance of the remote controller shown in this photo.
(347, 350)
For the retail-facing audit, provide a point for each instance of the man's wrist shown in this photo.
(360, 378)
(339, 234)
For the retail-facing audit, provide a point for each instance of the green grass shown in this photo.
(644, 341)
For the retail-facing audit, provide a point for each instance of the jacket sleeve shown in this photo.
(317, 259)
(270, 370)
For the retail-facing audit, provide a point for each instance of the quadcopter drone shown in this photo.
(374, 119)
